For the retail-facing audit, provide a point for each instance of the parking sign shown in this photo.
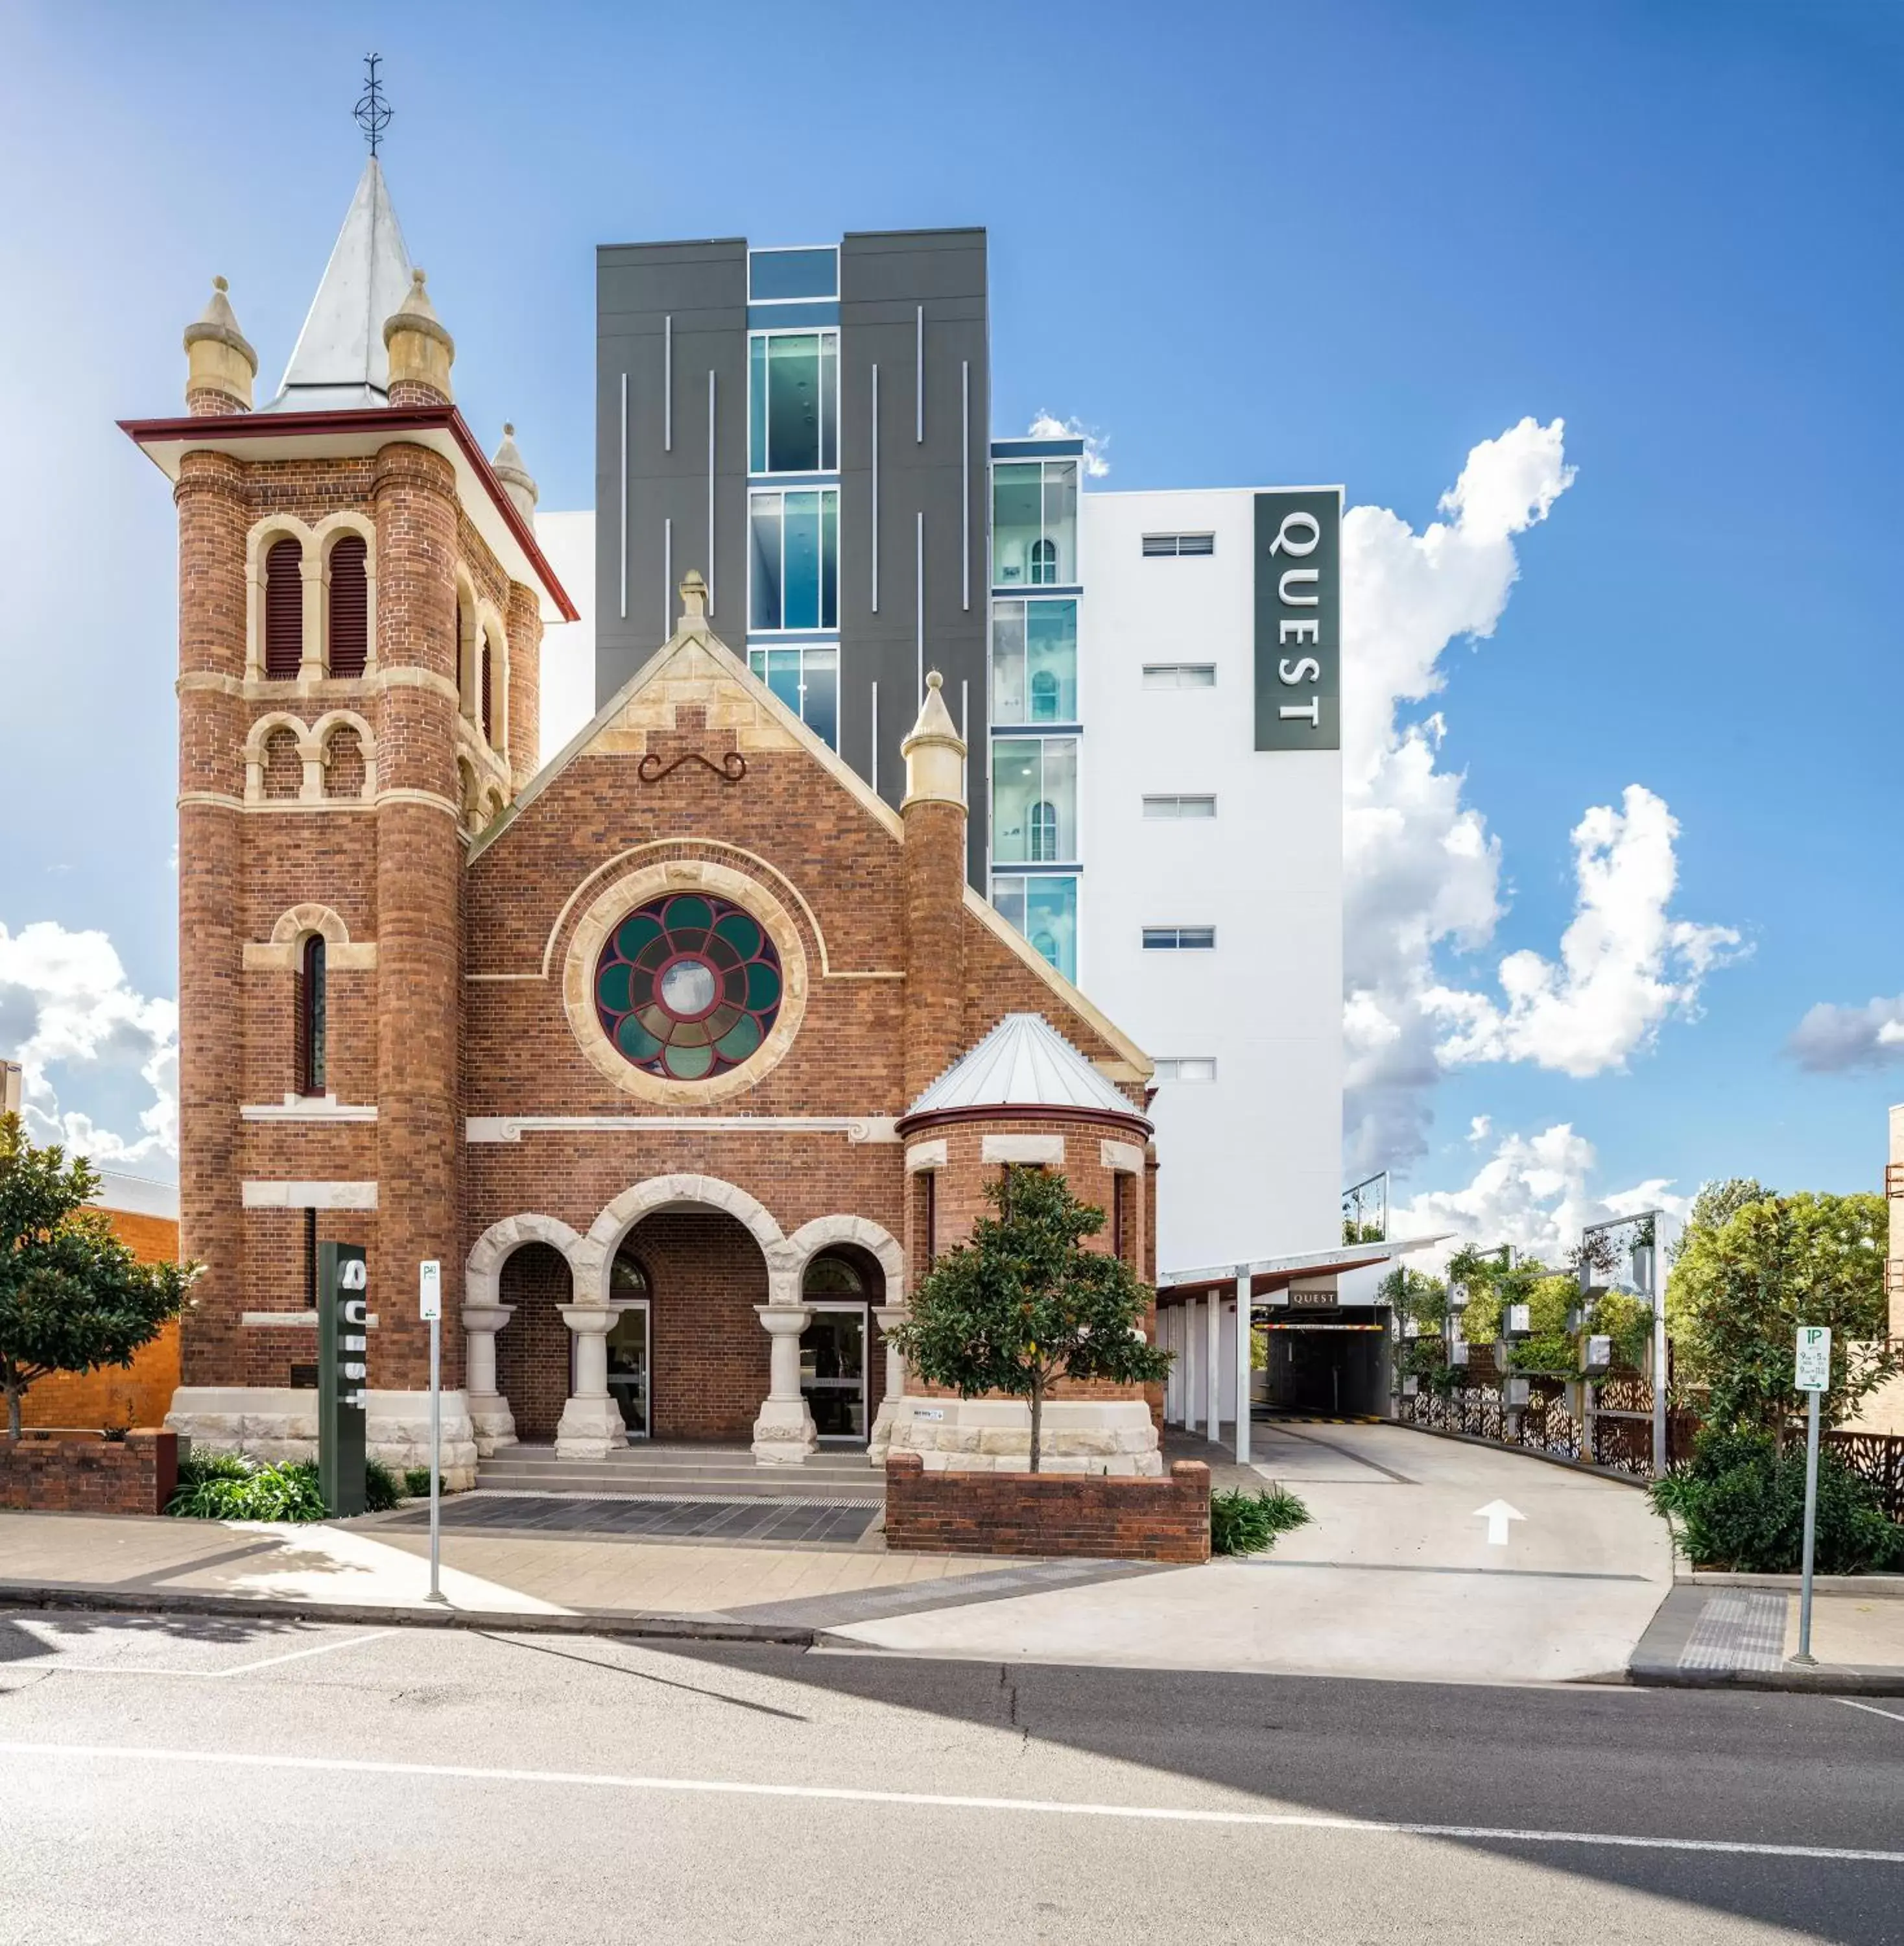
(1813, 1372)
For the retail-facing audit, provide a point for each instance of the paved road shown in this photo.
(174, 1779)
(1397, 1575)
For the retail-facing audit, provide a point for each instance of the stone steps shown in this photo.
(679, 1472)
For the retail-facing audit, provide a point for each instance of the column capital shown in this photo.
(784, 1320)
(487, 1316)
(586, 1320)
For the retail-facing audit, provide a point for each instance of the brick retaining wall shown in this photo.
(82, 1473)
(1103, 1517)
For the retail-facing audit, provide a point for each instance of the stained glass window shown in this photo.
(688, 986)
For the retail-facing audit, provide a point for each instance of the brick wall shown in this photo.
(533, 1349)
(1050, 1514)
(80, 1473)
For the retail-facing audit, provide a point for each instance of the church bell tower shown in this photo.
(361, 603)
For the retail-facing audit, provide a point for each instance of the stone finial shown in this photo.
(934, 752)
(220, 362)
(517, 481)
(420, 349)
(694, 600)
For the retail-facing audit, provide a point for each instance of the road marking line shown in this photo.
(212, 1674)
(1870, 1709)
(933, 1800)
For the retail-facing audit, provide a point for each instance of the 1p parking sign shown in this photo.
(1812, 1371)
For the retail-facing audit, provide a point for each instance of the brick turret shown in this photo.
(934, 812)
(421, 351)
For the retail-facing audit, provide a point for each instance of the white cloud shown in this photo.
(1423, 871)
(1625, 966)
(1479, 1128)
(1047, 425)
(1534, 1192)
(66, 1004)
(1832, 1040)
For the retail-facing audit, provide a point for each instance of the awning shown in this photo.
(1271, 1273)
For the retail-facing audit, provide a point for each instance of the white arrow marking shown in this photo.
(1497, 1514)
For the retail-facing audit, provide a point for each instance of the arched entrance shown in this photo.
(839, 1286)
(697, 1275)
(533, 1356)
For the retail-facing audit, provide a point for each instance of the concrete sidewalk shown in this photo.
(1743, 1636)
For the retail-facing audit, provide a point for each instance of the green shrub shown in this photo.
(227, 1486)
(1243, 1523)
(416, 1482)
(381, 1490)
(1742, 1503)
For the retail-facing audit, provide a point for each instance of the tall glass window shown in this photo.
(1034, 524)
(794, 560)
(1035, 662)
(793, 402)
(1035, 800)
(807, 680)
(1045, 910)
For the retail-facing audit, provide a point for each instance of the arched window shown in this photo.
(284, 610)
(1044, 564)
(311, 1011)
(348, 648)
(1045, 697)
(485, 655)
(627, 1277)
(832, 1277)
(1044, 833)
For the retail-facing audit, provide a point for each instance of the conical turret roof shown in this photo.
(339, 359)
(1024, 1063)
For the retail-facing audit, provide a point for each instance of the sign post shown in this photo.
(429, 1305)
(1813, 1375)
(342, 1369)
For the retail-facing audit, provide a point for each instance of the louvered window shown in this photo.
(349, 646)
(483, 677)
(284, 610)
(1155, 544)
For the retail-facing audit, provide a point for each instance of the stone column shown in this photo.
(488, 1410)
(591, 1426)
(888, 1315)
(784, 1435)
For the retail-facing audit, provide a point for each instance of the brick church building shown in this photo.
(683, 1052)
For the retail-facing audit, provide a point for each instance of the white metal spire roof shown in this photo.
(339, 359)
(1024, 1063)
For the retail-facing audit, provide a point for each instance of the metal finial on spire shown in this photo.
(373, 112)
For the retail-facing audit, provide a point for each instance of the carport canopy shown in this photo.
(1245, 1284)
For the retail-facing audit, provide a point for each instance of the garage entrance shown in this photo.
(1332, 1369)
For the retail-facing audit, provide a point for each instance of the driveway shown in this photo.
(1400, 1574)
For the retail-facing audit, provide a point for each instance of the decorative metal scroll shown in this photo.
(732, 768)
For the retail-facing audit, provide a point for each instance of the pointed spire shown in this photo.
(517, 481)
(934, 752)
(221, 363)
(340, 359)
(420, 349)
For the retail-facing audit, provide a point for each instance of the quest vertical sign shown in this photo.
(1299, 620)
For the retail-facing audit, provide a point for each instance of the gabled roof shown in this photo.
(1024, 1062)
(339, 359)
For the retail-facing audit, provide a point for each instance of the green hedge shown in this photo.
(1742, 1503)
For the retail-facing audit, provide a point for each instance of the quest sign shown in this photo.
(1299, 620)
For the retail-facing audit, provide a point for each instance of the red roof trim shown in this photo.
(394, 419)
(1022, 1111)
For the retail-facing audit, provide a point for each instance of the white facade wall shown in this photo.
(1251, 1162)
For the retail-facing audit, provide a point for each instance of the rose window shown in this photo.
(688, 986)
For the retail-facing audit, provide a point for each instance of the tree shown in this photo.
(73, 1297)
(1716, 1204)
(1741, 1287)
(1023, 1303)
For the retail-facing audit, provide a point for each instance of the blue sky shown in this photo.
(1371, 237)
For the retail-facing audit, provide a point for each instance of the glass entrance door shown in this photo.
(627, 1367)
(833, 1371)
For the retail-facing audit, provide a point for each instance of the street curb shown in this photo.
(76, 1596)
(1882, 1587)
(1826, 1680)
